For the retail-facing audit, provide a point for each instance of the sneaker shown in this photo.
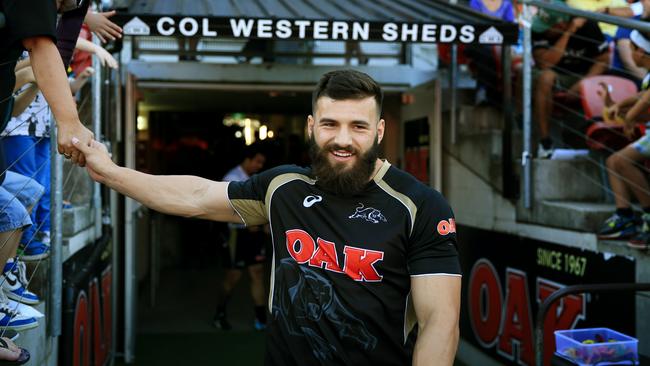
(220, 322)
(12, 319)
(259, 325)
(544, 153)
(14, 283)
(618, 227)
(641, 240)
(44, 237)
(33, 251)
(26, 310)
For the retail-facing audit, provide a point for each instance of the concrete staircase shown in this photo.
(567, 194)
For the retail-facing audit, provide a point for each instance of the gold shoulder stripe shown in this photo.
(280, 180)
(251, 211)
(404, 199)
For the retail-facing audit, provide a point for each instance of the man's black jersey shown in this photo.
(342, 266)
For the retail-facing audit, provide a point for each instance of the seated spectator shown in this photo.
(625, 167)
(18, 194)
(608, 30)
(484, 62)
(565, 51)
(622, 63)
(635, 9)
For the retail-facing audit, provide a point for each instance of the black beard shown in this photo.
(335, 177)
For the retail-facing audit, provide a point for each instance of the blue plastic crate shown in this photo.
(609, 347)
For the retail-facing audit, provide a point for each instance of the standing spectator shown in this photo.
(625, 167)
(31, 26)
(565, 51)
(26, 141)
(245, 249)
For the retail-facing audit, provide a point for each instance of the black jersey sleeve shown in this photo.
(432, 246)
(249, 197)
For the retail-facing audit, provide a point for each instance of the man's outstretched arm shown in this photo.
(436, 300)
(181, 195)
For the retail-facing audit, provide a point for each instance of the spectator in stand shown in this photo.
(483, 57)
(26, 141)
(622, 63)
(565, 51)
(18, 195)
(625, 167)
(609, 30)
(245, 250)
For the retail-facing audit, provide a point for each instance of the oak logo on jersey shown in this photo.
(446, 227)
(368, 213)
(359, 263)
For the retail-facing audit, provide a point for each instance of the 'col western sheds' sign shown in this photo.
(332, 30)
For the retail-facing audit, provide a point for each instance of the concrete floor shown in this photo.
(178, 329)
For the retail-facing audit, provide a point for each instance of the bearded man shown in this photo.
(362, 250)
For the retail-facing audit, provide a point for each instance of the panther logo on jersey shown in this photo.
(369, 214)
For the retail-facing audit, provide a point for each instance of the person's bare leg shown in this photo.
(256, 272)
(231, 280)
(622, 193)
(9, 245)
(625, 164)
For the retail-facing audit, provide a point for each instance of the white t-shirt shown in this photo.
(34, 121)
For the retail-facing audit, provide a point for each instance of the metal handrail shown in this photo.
(570, 290)
(605, 18)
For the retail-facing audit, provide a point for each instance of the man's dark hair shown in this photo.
(252, 150)
(347, 84)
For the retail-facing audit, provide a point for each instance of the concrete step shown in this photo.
(479, 151)
(567, 180)
(76, 219)
(473, 118)
(572, 215)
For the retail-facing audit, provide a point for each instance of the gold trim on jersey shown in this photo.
(404, 199)
(250, 211)
(276, 183)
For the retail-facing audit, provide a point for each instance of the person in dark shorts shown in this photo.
(362, 251)
(244, 249)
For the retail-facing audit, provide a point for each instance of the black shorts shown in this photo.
(244, 248)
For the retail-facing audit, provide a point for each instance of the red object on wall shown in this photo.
(80, 59)
(417, 162)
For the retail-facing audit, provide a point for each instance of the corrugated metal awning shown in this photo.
(427, 21)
